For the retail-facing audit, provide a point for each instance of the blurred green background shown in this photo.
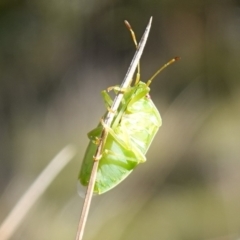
(55, 58)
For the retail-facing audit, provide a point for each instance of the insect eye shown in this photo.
(148, 96)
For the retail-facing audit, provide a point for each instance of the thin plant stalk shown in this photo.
(107, 121)
(15, 217)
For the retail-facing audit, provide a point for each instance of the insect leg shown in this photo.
(117, 89)
(94, 135)
(107, 99)
(122, 138)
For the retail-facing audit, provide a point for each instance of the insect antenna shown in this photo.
(136, 45)
(163, 67)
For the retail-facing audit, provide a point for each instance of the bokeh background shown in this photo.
(55, 58)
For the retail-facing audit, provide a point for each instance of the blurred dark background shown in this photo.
(55, 58)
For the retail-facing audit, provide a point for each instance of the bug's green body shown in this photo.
(133, 128)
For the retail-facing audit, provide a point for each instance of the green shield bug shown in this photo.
(134, 126)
